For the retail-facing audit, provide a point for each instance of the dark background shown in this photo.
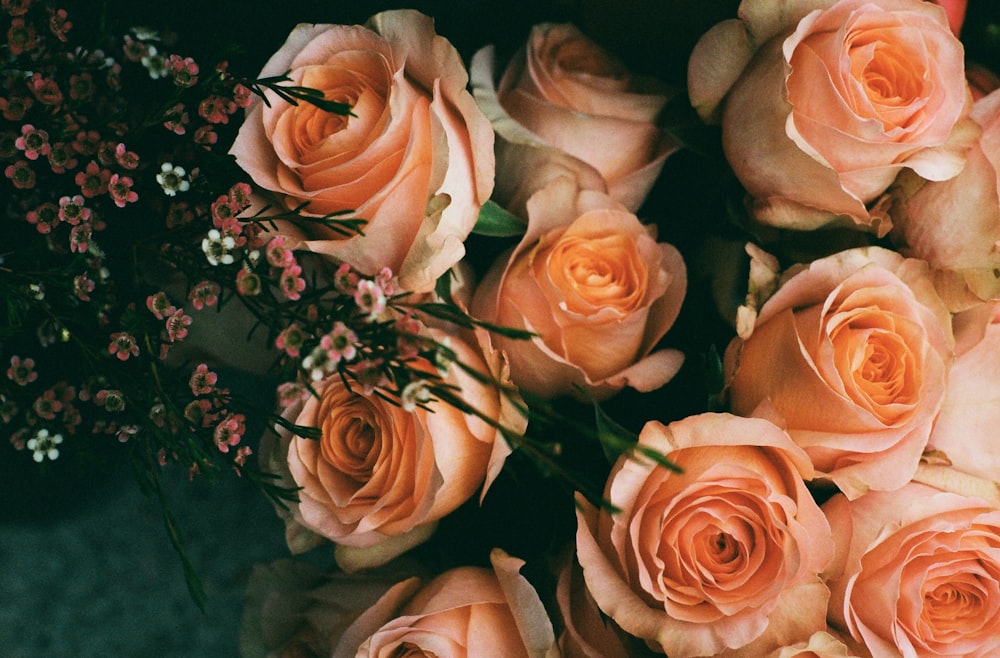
(86, 568)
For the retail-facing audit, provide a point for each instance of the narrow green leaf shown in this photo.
(496, 222)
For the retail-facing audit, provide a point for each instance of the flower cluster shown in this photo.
(534, 393)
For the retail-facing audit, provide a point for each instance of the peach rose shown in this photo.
(723, 558)
(917, 573)
(955, 224)
(380, 476)
(850, 356)
(564, 94)
(465, 612)
(823, 103)
(414, 159)
(965, 433)
(595, 286)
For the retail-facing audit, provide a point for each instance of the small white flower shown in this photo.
(143, 33)
(37, 291)
(44, 445)
(171, 179)
(155, 63)
(414, 394)
(217, 248)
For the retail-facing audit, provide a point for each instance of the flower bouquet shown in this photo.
(574, 344)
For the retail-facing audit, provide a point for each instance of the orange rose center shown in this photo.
(874, 362)
(601, 272)
(889, 78)
(351, 436)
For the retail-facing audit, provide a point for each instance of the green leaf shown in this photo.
(496, 222)
(614, 438)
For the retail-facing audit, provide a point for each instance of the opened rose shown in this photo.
(724, 555)
(851, 356)
(466, 612)
(414, 158)
(564, 95)
(595, 287)
(820, 110)
(379, 476)
(917, 573)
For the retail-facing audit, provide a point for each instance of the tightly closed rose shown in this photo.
(821, 109)
(917, 573)
(467, 612)
(595, 286)
(415, 159)
(723, 558)
(955, 224)
(380, 476)
(564, 94)
(965, 432)
(850, 356)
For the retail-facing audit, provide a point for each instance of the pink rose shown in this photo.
(850, 356)
(380, 476)
(415, 158)
(955, 224)
(563, 94)
(965, 433)
(725, 555)
(595, 286)
(466, 612)
(917, 573)
(821, 109)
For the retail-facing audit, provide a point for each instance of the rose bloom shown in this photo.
(917, 573)
(414, 159)
(466, 612)
(965, 433)
(821, 644)
(851, 356)
(955, 224)
(721, 559)
(380, 476)
(820, 110)
(598, 290)
(294, 610)
(563, 94)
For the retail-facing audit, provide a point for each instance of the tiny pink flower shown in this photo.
(239, 195)
(33, 142)
(370, 375)
(59, 23)
(93, 180)
(205, 293)
(21, 371)
(177, 326)
(61, 158)
(82, 287)
(184, 70)
(370, 298)
(125, 158)
(248, 284)
(176, 119)
(345, 280)
(81, 86)
(278, 255)
(120, 189)
(291, 283)
(21, 175)
(159, 305)
(79, 237)
(45, 217)
(206, 136)
(229, 432)
(46, 406)
(241, 455)
(290, 340)
(123, 346)
(340, 342)
(242, 96)
(72, 211)
(45, 90)
(216, 109)
(15, 107)
(111, 399)
(203, 380)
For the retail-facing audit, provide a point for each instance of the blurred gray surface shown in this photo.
(100, 577)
